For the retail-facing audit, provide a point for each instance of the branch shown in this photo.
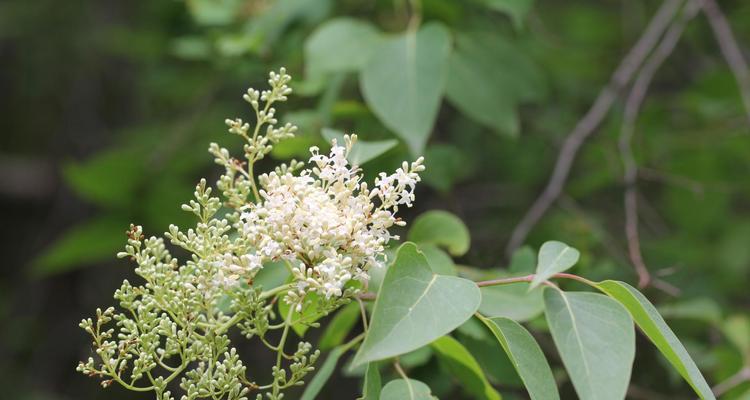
(732, 382)
(632, 108)
(730, 49)
(593, 118)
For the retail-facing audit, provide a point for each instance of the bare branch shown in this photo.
(593, 118)
(632, 108)
(732, 382)
(730, 49)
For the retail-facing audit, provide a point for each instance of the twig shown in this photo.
(632, 108)
(586, 126)
(733, 381)
(730, 49)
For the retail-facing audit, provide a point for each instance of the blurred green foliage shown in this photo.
(125, 97)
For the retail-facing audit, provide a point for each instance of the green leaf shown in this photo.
(324, 374)
(654, 327)
(489, 76)
(401, 389)
(273, 274)
(699, 309)
(213, 12)
(596, 341)
(403, 82)
(372, 385)
(554, 257)
(440, 262)
(523, 261)
(340, 45)
(515, 9)
(443, 229)
(448, 165)
(460, 364)
(311, 312)
(511, 301)
(340, 326)
(88, 243)
(108, 179)
(362, 151)
(526, 356)
(414, 307)
(737, 330)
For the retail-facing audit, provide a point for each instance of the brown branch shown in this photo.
(633, 105)
(730, 49)
(593, 118)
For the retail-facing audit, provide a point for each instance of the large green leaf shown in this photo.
(443, 229)
(554, 257)
(511, 301)
(340, 45)
(526, 356)
(596, 341)
(440, 262)
(362, 151)
(88, 243)
(340, 326)
(460, 364)
(489, 76)
(403, 82)
(654, 327)
(109, 178)
(414, 307)
(402, 389)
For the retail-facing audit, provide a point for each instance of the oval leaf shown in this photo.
(654, 327)
(406, 389)
(596, 341)
(526, 356)
(554, 257)
(414, 307)
(460, 364)
(403, 82)
(443, 229)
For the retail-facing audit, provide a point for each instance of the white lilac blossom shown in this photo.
(324, 222)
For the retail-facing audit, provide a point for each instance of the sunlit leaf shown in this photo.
(596, 341)
(414, 307)
(460, 364)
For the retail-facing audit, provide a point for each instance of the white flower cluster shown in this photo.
(325, 221)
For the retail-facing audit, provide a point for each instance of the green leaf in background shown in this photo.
(273, 274)
(461, 365)
(362, 151)
(404, 81)
(339, 326)
(372, 384)
(699, 309)
(440, 262)
(93, 241)
(340, 45)
(443, 229)
(311, 312)
(515, 9)
(737, 329)
(489, 76)
(554, 257)
(523, 261)
(312, 390)
(401, 389)
(654, 327)
(213, 12)
(414, 307)
(514, 301)
(447, 165)
(596, 341)
(109, 178)
(526, 357)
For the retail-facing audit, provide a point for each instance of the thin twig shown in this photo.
(633, 105)
(593, 118)
(730, 49)
(732, 382)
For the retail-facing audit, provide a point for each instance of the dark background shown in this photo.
(107, 108)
